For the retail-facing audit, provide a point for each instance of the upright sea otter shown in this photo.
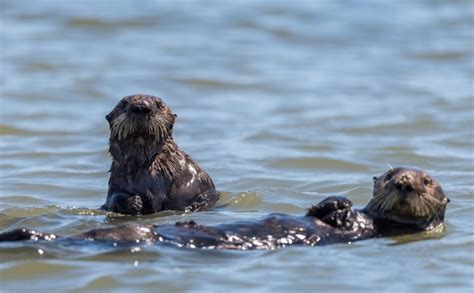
(404, 201)
(149, 173)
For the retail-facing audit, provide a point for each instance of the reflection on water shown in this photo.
(282, 104)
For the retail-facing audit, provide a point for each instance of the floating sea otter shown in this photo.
(404, 201)
(149, 173)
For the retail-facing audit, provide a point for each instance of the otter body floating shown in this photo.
(404, 201)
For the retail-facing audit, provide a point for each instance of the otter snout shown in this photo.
(404, 182)
(139, 109)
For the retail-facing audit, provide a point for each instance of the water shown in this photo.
(282, 103)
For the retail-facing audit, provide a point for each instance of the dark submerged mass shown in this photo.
(404, 201)
(149, 172)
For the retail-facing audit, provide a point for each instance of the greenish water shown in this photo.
(282, 103)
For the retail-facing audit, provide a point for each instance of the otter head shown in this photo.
(409, 197)
(141, 115)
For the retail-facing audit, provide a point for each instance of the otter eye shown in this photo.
(427, 181)
(388, 176)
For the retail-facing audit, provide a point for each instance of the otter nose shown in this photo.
(139, 109)
(404, 182)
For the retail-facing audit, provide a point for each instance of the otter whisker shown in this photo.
(157, 127)
(162, 131)
(430, 207)
(117, 125)
(159, 124)
(384, 202)
(151, 126)
(425, 206)
(388, 204)
(121, 127)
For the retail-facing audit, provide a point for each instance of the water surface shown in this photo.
(282, 103)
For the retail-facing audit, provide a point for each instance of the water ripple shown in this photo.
(283, 103)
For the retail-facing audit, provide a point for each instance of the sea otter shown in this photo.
(404, 201)
(149, 173)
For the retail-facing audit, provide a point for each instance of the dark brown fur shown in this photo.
(408, 196)
(149, 172)
(405, 201)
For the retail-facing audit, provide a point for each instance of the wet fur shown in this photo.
(149, 173)
(333, 220)
(408, 196)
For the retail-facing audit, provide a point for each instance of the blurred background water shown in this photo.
(283, 103)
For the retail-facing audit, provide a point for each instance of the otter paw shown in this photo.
(328, 206)
(339, 218)
(127, 204)
(134, 205)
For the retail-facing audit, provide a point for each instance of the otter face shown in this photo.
(141, 115)
(408, 196)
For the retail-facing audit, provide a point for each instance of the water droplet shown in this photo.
(135, 249)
